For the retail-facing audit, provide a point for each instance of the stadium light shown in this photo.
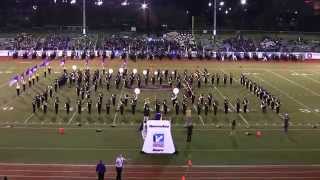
(98, 2)
(144, 6)
(243, 2)
(73, 1)
(221, 3)
(210, 4)
(124, 3)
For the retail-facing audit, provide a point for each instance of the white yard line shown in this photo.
(200, 117)
(116, 114)
(307, 77)
(28, 118)
(138, 149)
(179, 129)
(4, 85)
(240, 115)
(202, 122)
(284, 93)
(72, 117)
(293, 82)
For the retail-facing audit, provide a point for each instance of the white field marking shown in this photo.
(4, 85)
(116, 114)
(250, 73)
(138, 149)
(28, 118)
(9, 102)
(308, 77)
(200, 117)
(240, 115)
(293, 82)
(202, 122)
(73, 115)
(25, 62)
(179, 128)
(284, 93)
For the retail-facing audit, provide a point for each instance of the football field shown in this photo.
(33, 137)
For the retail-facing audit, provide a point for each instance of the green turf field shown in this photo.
(34, 137)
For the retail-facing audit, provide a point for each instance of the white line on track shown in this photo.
(173, 166)
(142, 171)
(161, 178)
(293, 82)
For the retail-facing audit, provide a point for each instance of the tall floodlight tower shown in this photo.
(214, 20)
(84, 17)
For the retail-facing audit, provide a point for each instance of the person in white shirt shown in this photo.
(119, 166)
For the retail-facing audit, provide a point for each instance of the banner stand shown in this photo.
(159, 139)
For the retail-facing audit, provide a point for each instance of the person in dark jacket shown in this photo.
(101, 170)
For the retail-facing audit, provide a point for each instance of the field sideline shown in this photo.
(33, 138)
(77, 171)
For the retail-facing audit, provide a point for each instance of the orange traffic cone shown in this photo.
(61, 131)
(183, 178)
(189, 163)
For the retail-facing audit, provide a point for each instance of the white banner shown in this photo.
(159, 139)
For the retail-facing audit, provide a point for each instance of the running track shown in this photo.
(139, 172)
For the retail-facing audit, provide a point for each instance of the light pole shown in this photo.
(214, 20)
(84, 17)
(146, 9)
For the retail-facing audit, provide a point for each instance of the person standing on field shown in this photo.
(101, 170)
(119, 166)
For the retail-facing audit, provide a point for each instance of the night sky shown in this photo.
(295, 15)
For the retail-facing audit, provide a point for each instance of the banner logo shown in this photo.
(158, 140)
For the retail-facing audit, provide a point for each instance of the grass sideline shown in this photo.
(34, 138)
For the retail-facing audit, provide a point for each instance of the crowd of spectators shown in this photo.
(173, 44)
(268, 44)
